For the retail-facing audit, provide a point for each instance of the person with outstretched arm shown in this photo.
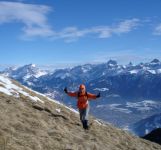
(82, 103)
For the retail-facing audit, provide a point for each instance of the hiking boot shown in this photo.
(85, 124)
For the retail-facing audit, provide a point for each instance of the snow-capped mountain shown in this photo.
(128, 92)
(145, 126)
(139, 81)
(25, 74)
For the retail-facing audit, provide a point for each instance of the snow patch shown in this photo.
(126, 128)
(62, 75)
(113, 95)
(152, 71)
(58, 110)
(146, 131)
(100, 106)
(40, 73)
(11, 89)
(85, 69)
(134, 71)
(158, 71)
(25, 78)
(100, 122)
(143, 105)
(102, 89)
(33, 65)
(115, 107)
(6, 91)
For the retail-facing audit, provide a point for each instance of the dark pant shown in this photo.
(84, 117)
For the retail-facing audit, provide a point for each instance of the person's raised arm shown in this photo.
(93, 96)
(73, 94)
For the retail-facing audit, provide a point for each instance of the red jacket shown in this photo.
(82, 102)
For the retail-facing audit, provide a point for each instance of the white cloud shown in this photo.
(157, 30)
(126, 26)
(32, 16)
(73, 33)
(102, 31)
(70, 34)
(34, 19)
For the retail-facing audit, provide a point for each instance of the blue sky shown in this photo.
(62, 33)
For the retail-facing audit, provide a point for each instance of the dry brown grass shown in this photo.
(1, 85)
(26, 125)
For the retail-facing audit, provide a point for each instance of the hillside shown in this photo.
(31, 121)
